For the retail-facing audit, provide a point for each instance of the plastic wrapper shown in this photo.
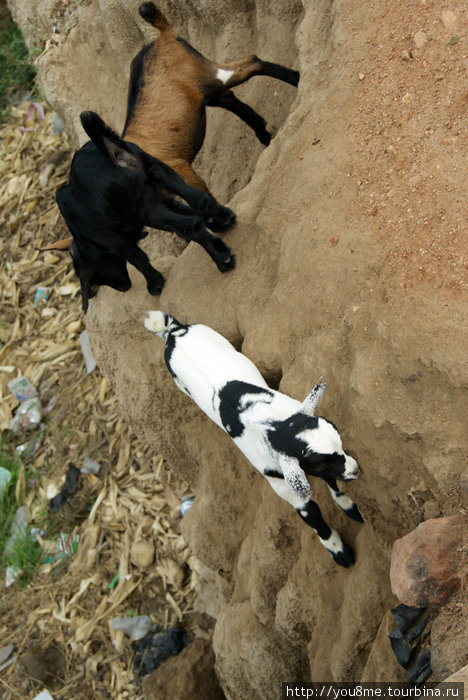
(28, 416)
(22, 388)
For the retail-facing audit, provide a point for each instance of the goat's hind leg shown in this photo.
(218, 218)
(236, 73)
(344, 501)
(242, 110)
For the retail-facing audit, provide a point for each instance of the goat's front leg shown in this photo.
(344, 501)
(139, 259)
(229, 101)
(293, 487)
(217, 217)
(170, 215)
(235, 73)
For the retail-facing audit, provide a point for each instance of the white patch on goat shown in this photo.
(341, 499)
(224, 75)
(155, 322)
(334, 543)
(281, 488)
(351, 470)
(324, 439)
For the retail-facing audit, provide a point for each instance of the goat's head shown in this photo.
(316, 444)
(324, 454)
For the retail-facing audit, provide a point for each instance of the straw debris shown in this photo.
(130, 557)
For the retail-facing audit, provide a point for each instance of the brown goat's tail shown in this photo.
(150, 13)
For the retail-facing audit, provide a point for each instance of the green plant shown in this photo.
(16, 70)
(24, 553)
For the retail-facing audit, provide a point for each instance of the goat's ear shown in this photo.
(108, 141)
(311, 402)
(64, 244)
(120, 156)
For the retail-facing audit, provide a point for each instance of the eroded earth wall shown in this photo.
(349, 265)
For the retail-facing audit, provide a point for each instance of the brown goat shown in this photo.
(170, 86)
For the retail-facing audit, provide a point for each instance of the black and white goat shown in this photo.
(279, 435)
(117, 185)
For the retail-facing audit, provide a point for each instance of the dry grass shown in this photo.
(133, 499)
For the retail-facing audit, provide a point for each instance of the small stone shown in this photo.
(448, 18)
(407, 97)
(405, 55)
(428, 563)
(361, 76)
(142, 554)
(420, 38)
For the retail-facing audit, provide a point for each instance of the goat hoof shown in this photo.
(227, 265)
(345, 557)
(223, 222)
(354, 514)
(155, 288)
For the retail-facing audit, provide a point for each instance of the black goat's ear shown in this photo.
(107, 140)
(120, 156)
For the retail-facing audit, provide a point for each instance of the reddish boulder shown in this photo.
(427, 563)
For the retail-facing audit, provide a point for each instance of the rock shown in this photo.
(448, 18)
(420, 38)
(190, 674)
(142, 554)
(427, 563)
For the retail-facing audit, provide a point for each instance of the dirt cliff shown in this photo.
(349, 265)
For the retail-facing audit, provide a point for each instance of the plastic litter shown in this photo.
(154, 649)
(19, 527)
(68, 544)
(11, 574)
(42, 294)
(43, 695)
(57, 124)
(22, 388)
(406, 641)
(90, 466)
(114, 581)
(70, 487)
(5, 478)
(7, 656)
(28, 415)
(28, 449)
(87, 352)
(135, 627)
(187, 503)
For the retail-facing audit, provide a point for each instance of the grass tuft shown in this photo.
(16, 71)
(24, 553)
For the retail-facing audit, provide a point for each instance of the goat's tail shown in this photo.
(157, 322)
(162, 324)
(151, 14)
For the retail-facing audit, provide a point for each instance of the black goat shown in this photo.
(115, 189)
